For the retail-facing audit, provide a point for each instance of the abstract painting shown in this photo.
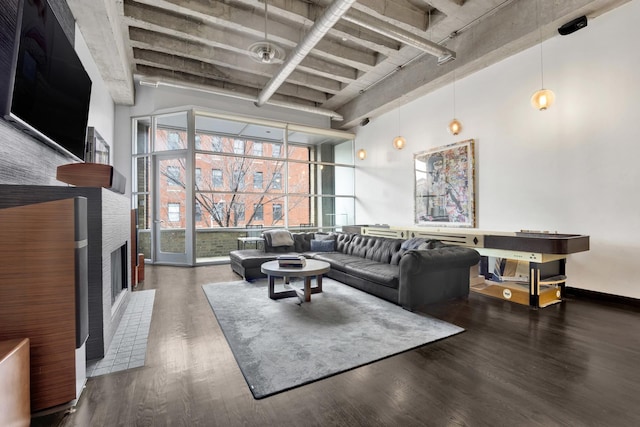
(444, 186)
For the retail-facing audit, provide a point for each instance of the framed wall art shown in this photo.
(445, 186)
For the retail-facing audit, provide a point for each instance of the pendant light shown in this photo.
(399, 142)
(265, 51)
(543, 98)
(455, 127)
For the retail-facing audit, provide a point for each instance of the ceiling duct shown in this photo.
(317, 32)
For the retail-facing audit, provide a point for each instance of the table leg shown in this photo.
(534, 285)
(307, 289)
(272, 285)
(278, 295)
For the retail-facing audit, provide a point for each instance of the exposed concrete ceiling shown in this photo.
(346, 59)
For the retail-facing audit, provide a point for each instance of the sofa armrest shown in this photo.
(434, 275)
(441, 258)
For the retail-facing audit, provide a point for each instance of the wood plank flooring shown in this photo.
(571, 364)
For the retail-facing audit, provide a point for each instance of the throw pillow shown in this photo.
(412, 243)
(279, 238)
(323, 245)
(324, 236)
(430, 244)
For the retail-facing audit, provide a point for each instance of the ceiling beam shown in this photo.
(481, 45)
(100, 20)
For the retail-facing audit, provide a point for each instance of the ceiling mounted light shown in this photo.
(543, 98)
(362, 154)
(264, 51)
(455, 127)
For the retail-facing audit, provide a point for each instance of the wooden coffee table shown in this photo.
(313, 268)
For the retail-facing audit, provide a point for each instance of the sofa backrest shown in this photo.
(380, 249)
(302, 241)
(342, 241)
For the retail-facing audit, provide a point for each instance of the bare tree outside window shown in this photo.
(173, 142)
(277, 180)
(258, 212)
(238, 146)
(277, 211)
(224, 204)
(216, 144)
(237, 181)
(173, 175)
(216, 179)
(198, 213)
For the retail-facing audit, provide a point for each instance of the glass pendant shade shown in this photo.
(543, 99)
(454, 127)
(362, 154)
(399, 142)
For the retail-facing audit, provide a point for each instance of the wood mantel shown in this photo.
(92, 175)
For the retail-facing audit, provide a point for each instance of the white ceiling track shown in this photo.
(145, 81)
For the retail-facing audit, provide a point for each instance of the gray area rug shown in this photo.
(281, 344)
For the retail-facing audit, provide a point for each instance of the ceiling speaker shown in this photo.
(573, 26)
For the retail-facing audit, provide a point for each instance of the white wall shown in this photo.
(571, 169)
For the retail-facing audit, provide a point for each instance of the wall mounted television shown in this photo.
(45, 90)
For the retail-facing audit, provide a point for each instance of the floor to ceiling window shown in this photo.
(203, 180)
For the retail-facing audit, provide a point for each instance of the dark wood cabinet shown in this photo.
(43, 266)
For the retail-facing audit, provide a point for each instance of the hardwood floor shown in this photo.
(573, 364)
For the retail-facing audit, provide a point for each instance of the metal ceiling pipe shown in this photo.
(317, 32)
(232, 94)
(382, 27)
(307, 109)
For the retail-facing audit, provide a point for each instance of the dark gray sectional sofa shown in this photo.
(381, 266)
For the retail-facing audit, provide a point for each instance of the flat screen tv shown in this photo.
(49, 92)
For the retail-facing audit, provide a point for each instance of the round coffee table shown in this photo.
(313, 268)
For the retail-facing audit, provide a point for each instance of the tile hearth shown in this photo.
(129, 345)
